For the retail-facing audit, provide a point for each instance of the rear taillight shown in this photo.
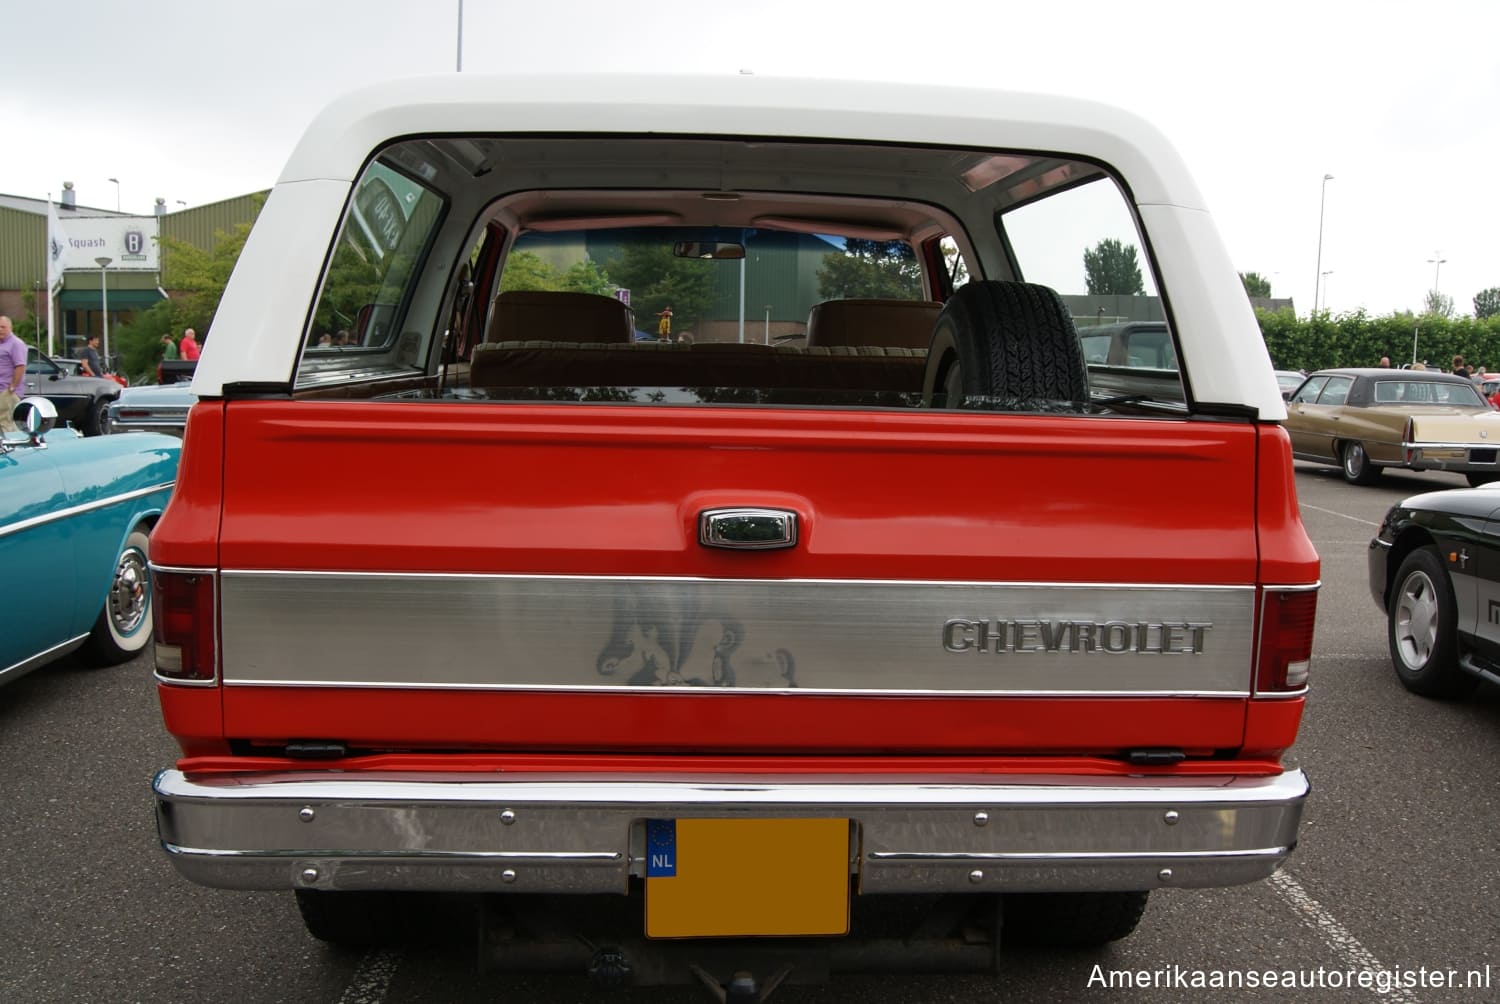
(183, 608)
(1286, 637)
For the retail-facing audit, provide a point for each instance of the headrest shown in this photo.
(559, 317)
(905, 324)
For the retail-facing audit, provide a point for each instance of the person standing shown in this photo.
(12, 374)
(92, 366)
(189, 346)
(168, 347)
(664, 324)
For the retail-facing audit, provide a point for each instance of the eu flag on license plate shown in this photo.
(661, 848)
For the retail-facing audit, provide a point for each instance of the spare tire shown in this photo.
(1006, 346)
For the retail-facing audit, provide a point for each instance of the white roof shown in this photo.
(341, 137)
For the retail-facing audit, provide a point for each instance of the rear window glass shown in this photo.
(827, 291)
(1426, 392)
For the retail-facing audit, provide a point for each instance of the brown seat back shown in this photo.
(521, 315)
(900, 324)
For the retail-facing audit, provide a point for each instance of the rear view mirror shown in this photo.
(717, 250)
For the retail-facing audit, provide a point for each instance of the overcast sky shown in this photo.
(202, 100)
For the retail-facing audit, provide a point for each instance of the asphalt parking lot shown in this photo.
(1396, 872)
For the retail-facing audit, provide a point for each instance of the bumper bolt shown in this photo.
(976, 876)
(508, 876)
(981, 818)
(1165, 874)
(306, 813)
(1171, 817)
(507, 816)
(309, 875)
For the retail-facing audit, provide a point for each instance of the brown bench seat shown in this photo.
(531, 364)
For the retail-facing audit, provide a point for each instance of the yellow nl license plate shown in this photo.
(718, 878)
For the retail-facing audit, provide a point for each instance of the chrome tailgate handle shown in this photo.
(747, 529)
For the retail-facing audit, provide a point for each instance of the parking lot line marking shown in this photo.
(373, 977)
(1330, 512)
(1338, 937)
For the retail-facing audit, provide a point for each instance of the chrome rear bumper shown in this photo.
(546, 833)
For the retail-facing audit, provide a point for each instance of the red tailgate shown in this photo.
(530, 578)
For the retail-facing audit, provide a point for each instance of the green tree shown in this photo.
(1487, 303)
(528, 270)
(1255, 284)
(587, 277)
(30, 328)
(1112, 268)
(884, 270)
(1437, 304)
(657, 279)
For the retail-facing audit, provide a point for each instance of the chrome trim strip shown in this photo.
(1258, 852)
(932, 833)
(731, 694)
(30, 663)
(638, 790)
(579, 856)
(71, 511)
(616, 634)
(1429, 445)
(182, 569)
(1019, 583)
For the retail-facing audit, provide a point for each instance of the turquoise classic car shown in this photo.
(75, 520)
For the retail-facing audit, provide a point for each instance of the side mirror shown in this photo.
(36, 416)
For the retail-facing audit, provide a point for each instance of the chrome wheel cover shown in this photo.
(129, 593)
(1414, 621)
(1354, 460)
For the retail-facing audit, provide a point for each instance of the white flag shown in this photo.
(57, 248)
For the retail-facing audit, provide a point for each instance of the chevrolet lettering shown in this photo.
(1152, 638)
(511, 568)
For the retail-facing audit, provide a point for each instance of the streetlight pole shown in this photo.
(459, 62)
(103, 264)
(1324, 277)
(1437, 261)
(117, 193)
(1322, 200)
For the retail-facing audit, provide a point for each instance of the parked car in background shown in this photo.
(1130, 358)
(75, 522)
(152, 408)
(1289, 381)
(81, 401)
(176, 370)
(1435, 570)
(1365, 420)
(1489, 387)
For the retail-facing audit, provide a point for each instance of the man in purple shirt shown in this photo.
(12, 374)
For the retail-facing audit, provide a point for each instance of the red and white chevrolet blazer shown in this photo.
(843, 585)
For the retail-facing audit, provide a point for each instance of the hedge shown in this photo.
(1322, 341)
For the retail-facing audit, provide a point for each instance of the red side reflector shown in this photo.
(183, 607)
(1286, 636)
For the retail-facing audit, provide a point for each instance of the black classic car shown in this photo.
(81, 401)
(1435, 570)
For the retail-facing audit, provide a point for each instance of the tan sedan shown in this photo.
(1365, 420)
